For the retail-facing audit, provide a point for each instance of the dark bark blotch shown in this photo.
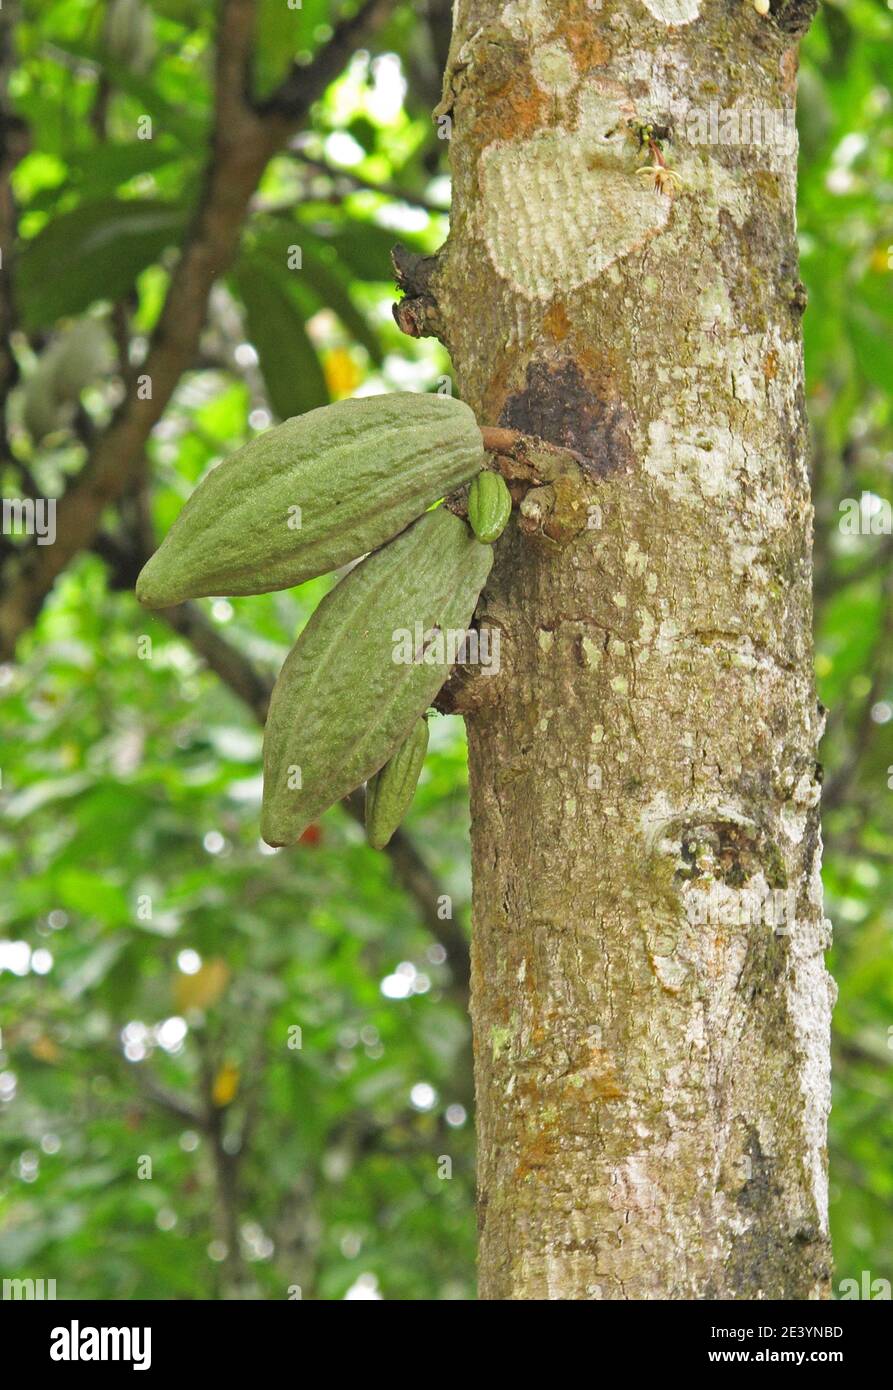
(558, 405)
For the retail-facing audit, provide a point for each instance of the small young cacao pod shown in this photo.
(310, 495)
(366, 667)
(489, 505)
(389, 793)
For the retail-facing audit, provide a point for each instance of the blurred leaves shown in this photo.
(93, 252)
(291, 369)
(170, 988)
(284, 31)
(846, 227)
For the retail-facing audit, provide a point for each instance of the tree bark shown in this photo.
(650, 1001)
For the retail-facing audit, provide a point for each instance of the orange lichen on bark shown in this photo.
(788, 69)
(587, 49)
(516, 108)
(537, 1155)
(556, 322)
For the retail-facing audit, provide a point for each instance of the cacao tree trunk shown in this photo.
(650, 1001)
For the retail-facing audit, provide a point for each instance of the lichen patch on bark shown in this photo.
(553, 68)
(674, 11)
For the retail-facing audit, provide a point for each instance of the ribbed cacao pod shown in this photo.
(312, 494)
(366, 667)
(389, 793)
(489, 506)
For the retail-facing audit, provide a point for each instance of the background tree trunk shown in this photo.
(650, 1001)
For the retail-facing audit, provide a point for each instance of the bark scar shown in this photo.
(560, 406)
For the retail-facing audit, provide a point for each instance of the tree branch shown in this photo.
(387, 190)
(167, 1099)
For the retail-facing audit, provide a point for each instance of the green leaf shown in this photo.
(365, 248)
(93, 252)
(191, 130)
(284, 30)
(326, 283)
(93, 968)
(291, 369)
(93, 896)
(336, 294)
(101, 169)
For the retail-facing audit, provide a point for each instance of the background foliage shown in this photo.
(283, 1034)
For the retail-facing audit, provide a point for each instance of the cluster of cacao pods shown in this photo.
(349, 480)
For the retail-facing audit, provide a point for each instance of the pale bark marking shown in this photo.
(674, 11)
(562, 205)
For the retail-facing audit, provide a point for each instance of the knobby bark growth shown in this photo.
(650, 1000)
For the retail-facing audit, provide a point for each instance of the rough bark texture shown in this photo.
(650, 1001)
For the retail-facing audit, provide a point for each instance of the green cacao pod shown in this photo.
(389, 793)
(489, 506)
(129, 35)
(312, 494)
(81, 356)
(75, 359)
(42, 412)
(366, 667)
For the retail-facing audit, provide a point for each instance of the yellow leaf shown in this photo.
(204, 988)
(342, 374)
(226, 1084)
(45, 1050)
